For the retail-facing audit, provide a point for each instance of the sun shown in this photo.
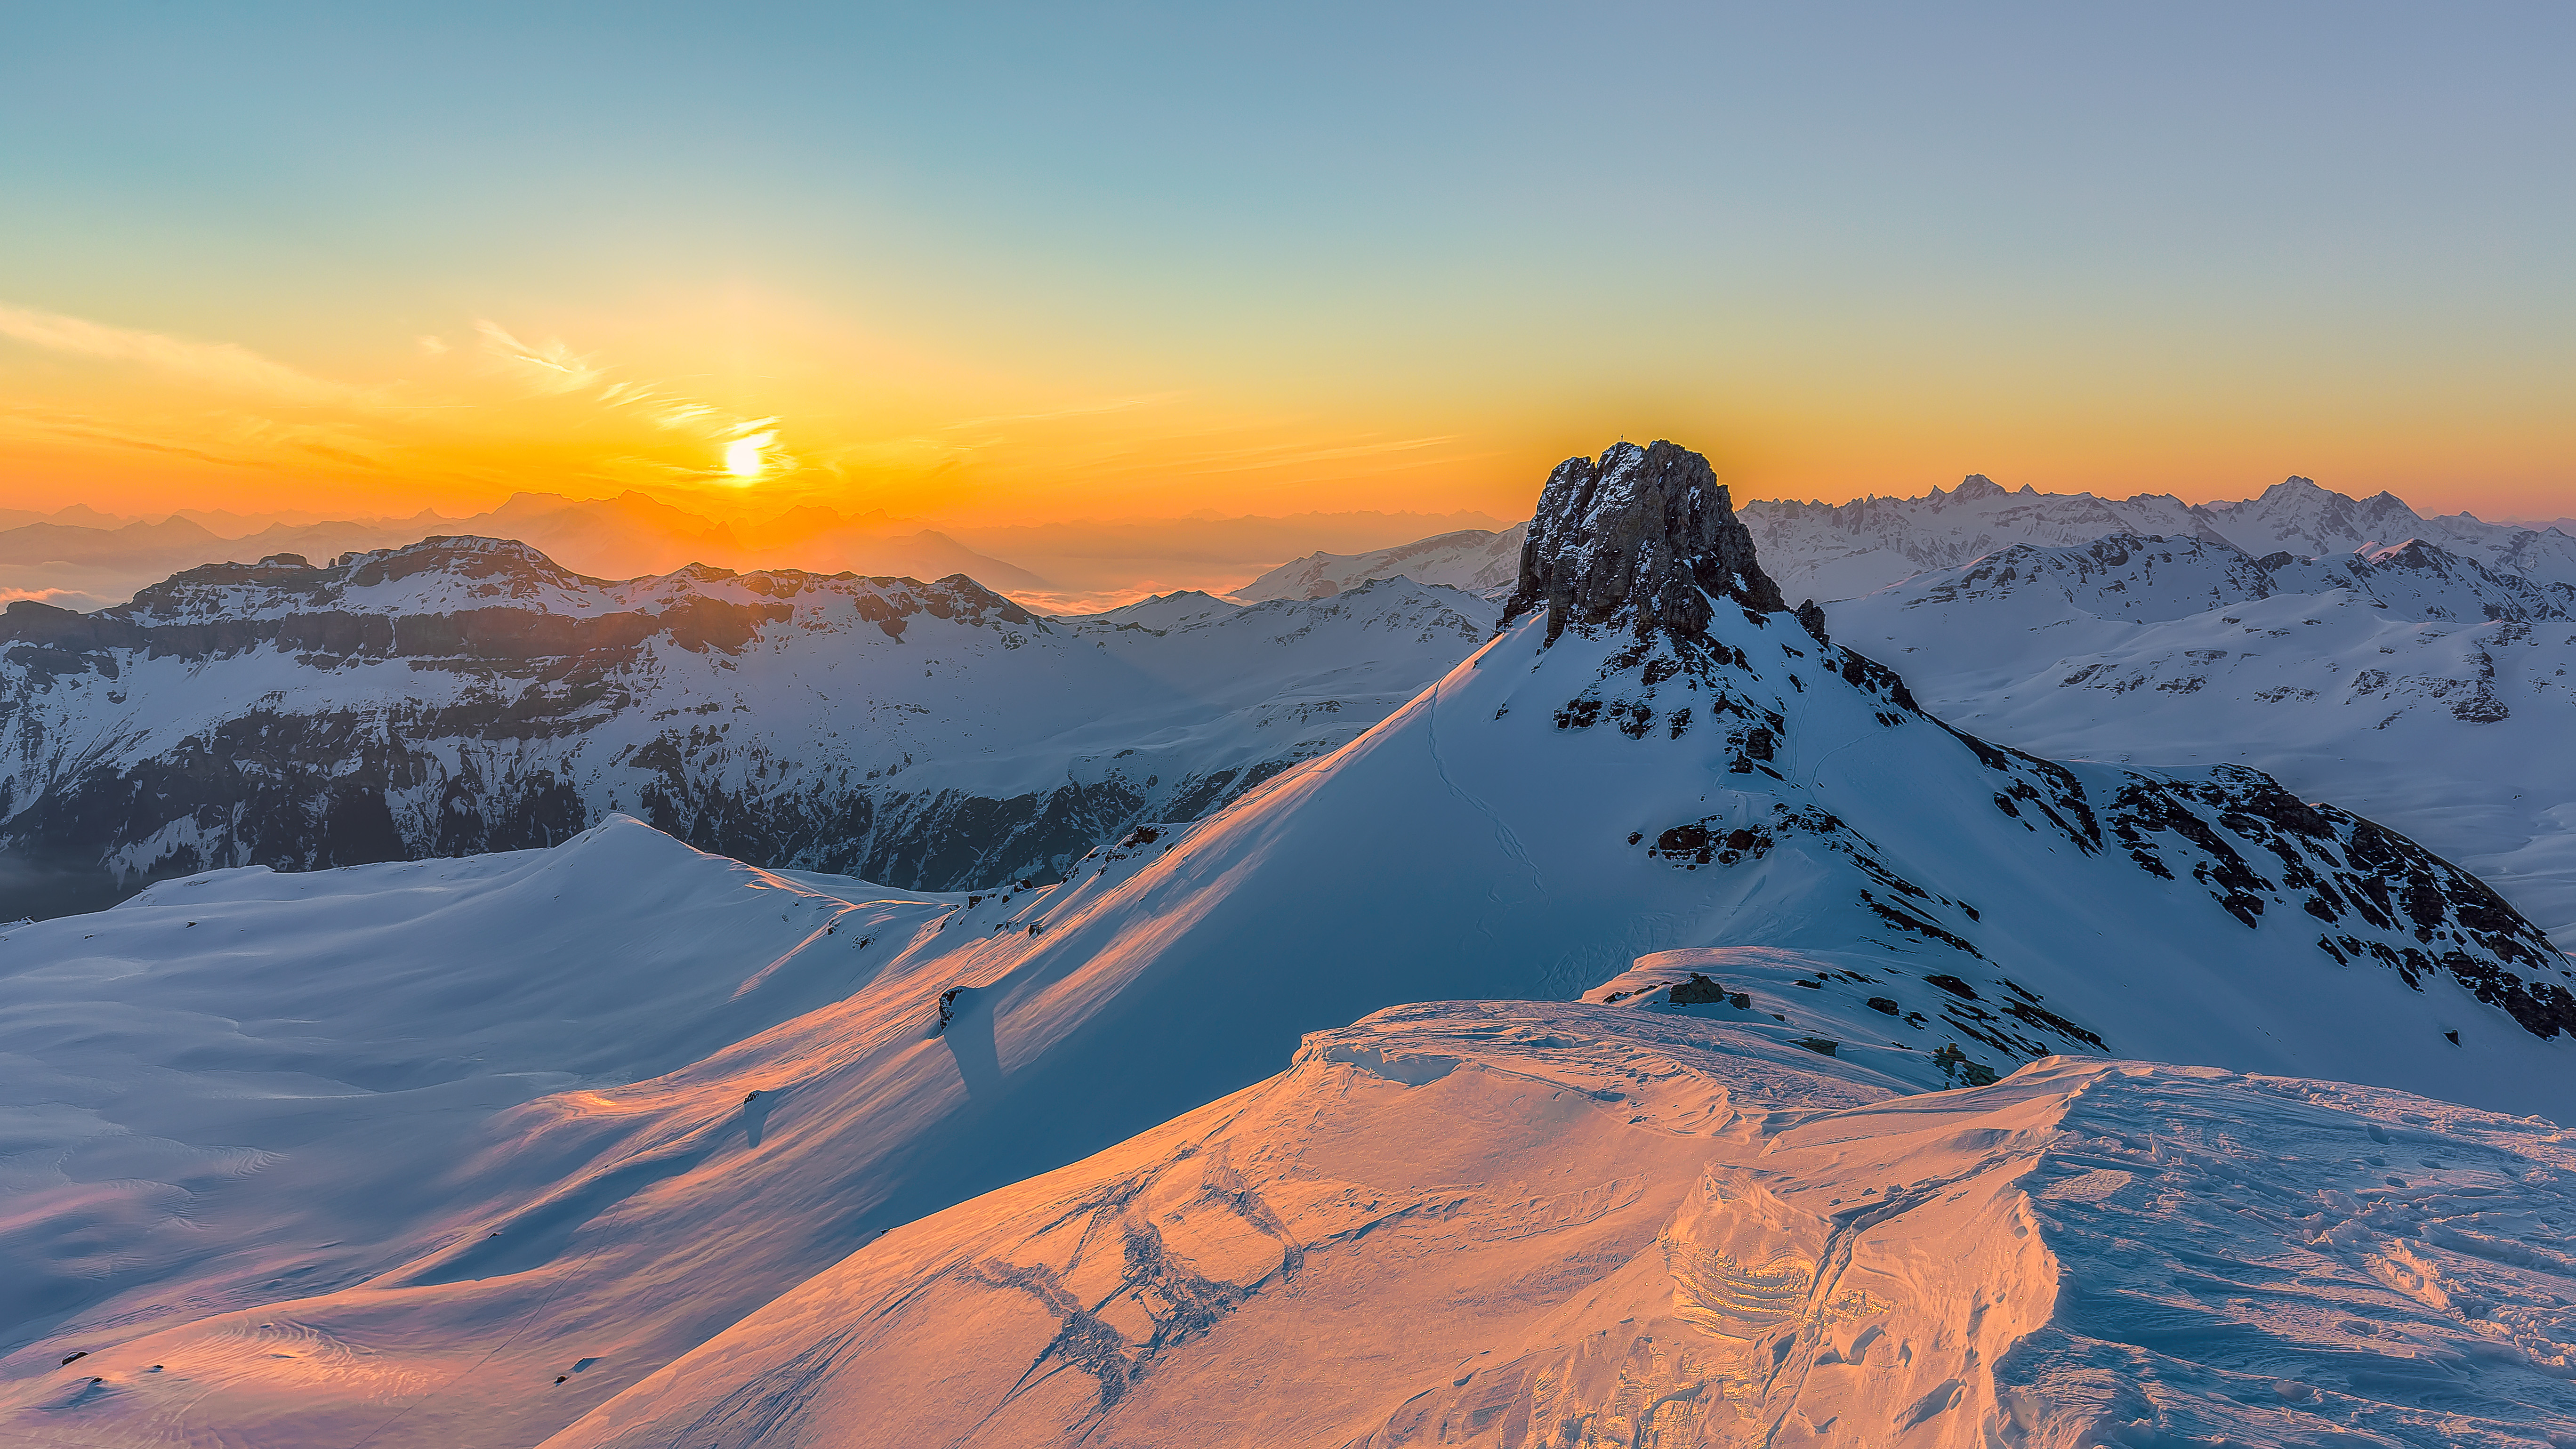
(745, 458)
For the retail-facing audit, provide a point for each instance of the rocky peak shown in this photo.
(1644, 538)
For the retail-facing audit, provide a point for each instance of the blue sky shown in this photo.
(1845, 250)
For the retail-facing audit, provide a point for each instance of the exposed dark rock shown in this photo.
(1641, 538)
(1698, 991)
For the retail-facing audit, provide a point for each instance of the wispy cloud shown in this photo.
(551, 366)
(221, 364)
(554, 367)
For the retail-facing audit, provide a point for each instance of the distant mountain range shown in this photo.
(80, 558)
(85, 565)
(470, 694)
(1829, 551)
(1837, 551)
(2419, 686)
(1480, 561)
(1659, 1029)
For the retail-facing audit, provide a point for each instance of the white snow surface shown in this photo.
(1528, 1224)
(479, 1176)
(1472, 559)
(2378, 681)
(1841, 551)
(248, 1088)
(624, 1143)
(923, 695)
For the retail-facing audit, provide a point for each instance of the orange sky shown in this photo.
(128, 419)
(1164, 263)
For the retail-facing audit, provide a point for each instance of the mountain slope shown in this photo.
(2423, 689)
(468, 694)
(253, 1086)
(1653, 772)
(1525, 1223)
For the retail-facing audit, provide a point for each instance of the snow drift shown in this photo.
(1527, 1224)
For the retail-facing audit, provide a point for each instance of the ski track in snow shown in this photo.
(1503, 833)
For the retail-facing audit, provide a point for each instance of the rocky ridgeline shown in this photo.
(1643, 545)
(2144, 578)
(469, 694)
(1845, 550)
(465, 598)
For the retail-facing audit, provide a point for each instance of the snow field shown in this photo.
(1528, 1223)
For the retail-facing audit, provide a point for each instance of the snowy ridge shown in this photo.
(2419, 687)
(1472, 559)
(1841, 551)
(2147, 579)
(467, 694)
(2299, 517)
(1523, 1224)
(290, 1084)
(1649, 1214)
(1836, 551)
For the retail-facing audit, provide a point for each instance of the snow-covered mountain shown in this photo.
(468, 694)
(2419, 687)
(1475, 1215)
(1830, 551)
(1472, 559)
(2301, 518)
(1840, 551)
(1787, 890)
(86, 560)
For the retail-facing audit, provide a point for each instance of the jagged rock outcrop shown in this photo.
(1642, 543)
(1645, 538)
